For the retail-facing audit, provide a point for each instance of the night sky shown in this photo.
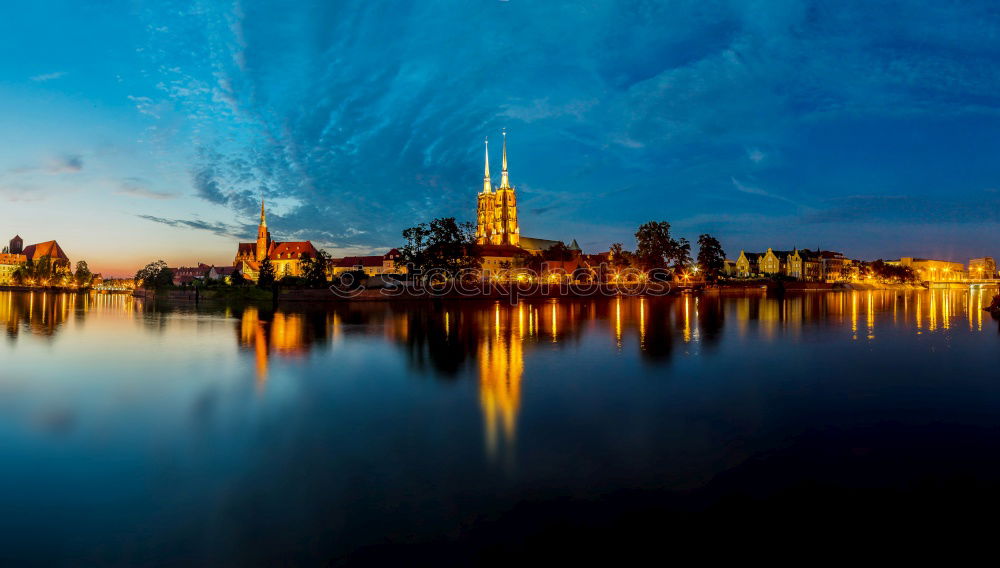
(141, 130)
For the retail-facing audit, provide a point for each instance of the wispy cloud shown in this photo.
(58, 164)
(753, 190)
(48, 76)
(138, 187)
(222, 229)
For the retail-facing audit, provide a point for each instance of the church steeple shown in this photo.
(487, 187)
(504, 182)
(263, 236)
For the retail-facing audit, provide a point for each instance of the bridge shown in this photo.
(971, 283)
(102, 288)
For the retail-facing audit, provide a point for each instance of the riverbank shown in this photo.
(42, 289)
(794, 286)
(492, 293)
(239, 294)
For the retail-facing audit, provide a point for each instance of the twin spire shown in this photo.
(504, 180)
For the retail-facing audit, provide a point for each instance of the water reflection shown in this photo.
(289, 335)
(255, 429)
(44, 313)
(494, 340)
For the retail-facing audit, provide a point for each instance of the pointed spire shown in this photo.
(504, 181)
(487, 188)
(263, 219)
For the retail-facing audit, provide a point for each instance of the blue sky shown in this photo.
(134, 131)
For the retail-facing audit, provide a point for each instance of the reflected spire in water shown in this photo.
(254, 335)
(501, 368)
(286, 334)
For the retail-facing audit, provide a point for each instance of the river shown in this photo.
(134, 433)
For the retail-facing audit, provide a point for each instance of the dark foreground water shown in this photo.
(392, 434)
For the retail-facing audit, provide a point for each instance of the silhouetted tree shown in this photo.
(315, 270)
(443, 244)
(155, 275)
(655, 248)
(266, 277)
(558, 251)
(682, 255)
(711, 257)
(83, 275)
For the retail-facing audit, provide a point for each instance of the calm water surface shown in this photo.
(137, 434)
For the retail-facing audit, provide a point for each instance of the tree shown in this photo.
(42, 270)
(83, 275)
(237, 279)
(617, 252)
(558, 252)
(888, 272)
(444, 244)
(265, 279)
(314, 270)
(682, 255)
(155, 275)
(655, 248)
(711, 257)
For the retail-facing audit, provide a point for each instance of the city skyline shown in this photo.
(765, 126)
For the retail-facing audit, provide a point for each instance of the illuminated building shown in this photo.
(497, 230)
(9, 263)
(801, 264)
(17, 255)
(928, 270)
(804, 265)
(496, 210)
(983, 268)
(747, 264)
(285, 257)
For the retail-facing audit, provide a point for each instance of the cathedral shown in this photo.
(496, 209)
(497, 229)
(285, 257)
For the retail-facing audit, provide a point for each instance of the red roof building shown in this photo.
(387, 263)
(285, 257)
(50, 249)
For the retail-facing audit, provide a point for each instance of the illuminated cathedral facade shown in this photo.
(285, 257)
(496, 209)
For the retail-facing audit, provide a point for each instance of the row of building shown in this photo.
(288, 262)
(829, 266)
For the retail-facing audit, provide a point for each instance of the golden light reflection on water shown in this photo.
(282, 334)
(501, 368)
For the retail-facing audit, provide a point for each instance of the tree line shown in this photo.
(45, 271)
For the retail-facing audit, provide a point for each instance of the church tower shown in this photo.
(505, 208)
(263, 236)
(16, 245)
(484, 205)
